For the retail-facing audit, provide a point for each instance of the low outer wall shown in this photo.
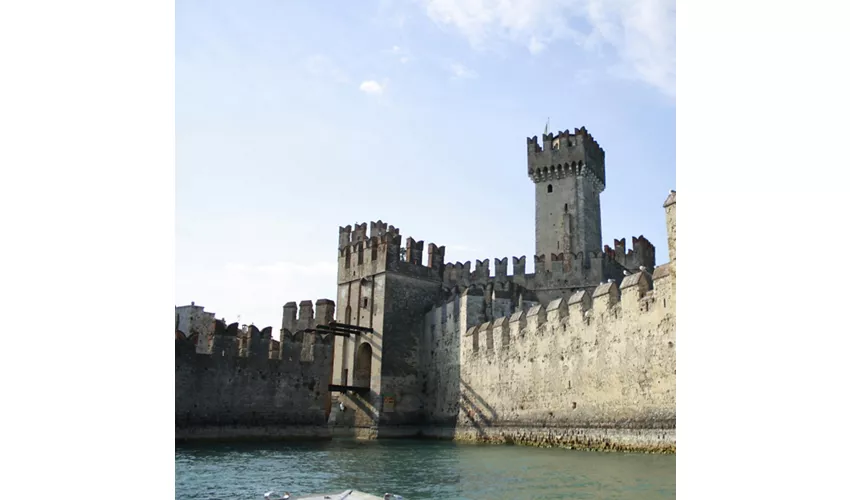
(220, 397)
(596, 373)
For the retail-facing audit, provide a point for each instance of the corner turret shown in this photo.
(670, 211)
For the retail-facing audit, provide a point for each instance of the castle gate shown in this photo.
(363, 366)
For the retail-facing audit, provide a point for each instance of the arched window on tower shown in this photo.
(549, 189)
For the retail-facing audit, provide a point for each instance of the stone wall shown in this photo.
(569, 174)
(244, 388)
(393, 303)
(596, 369)
(407, 300)
(549, 275)
(569, 372)
(361, 302)
(235, 397)
(642, 254)
(670, 210)
(441, 352)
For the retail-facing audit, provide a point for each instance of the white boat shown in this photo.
(343, 495)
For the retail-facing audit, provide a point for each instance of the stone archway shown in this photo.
(363, 366)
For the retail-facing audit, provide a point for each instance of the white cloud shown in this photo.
(462, 72)
(640, 32)
(372, 87)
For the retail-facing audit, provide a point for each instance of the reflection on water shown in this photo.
(419, 470)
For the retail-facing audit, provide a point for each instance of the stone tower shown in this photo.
(386, 287)
(569, 174)
(670, 210)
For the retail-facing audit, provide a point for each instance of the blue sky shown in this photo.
(296, 117)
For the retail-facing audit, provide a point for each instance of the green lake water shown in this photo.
(419, 470)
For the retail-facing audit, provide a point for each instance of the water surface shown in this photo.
(419, 470)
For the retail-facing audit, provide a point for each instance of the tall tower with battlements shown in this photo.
(386, 285)
(569, 174)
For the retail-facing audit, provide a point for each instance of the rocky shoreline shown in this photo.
(661, 441)
(655, 441)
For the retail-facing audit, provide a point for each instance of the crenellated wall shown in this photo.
(642, 254)
(418, 305)
(594, 369)
(578, 151)
(245, 388)
(441, 339)
(574, 346)
(360, 255)
(570, 371)
(552, 270)
(253, 342)
(552, 276)
(547, 276)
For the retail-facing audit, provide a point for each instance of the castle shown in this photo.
(579, 352)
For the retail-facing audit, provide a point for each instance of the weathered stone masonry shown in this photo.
(549, 357)
(594, 369)
(244, 387)
(576, 350)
